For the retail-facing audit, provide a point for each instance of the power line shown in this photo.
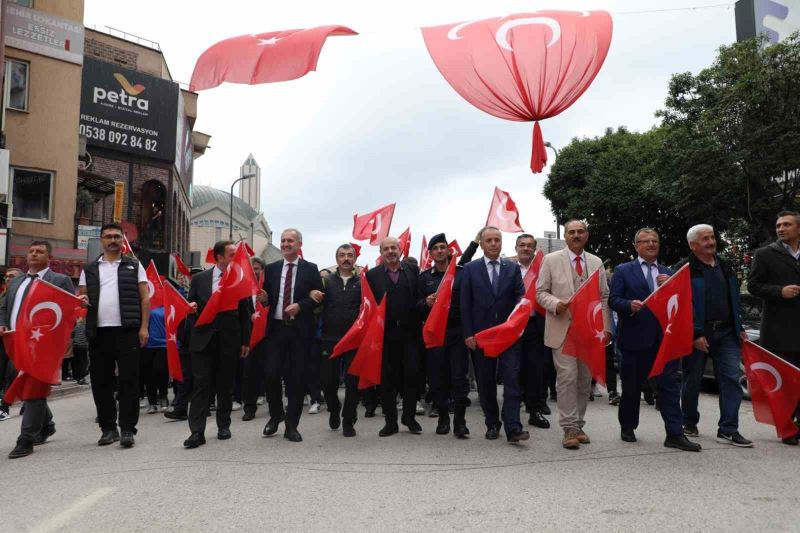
(667, 10)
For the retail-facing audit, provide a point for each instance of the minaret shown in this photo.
(250, 189)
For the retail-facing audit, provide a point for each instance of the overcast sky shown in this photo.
(377, 123)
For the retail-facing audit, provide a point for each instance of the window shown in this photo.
(32, 192)
(17, 84)
(26, 3)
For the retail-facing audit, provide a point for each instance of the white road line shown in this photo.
(58, 521)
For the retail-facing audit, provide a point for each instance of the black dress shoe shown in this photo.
(247, 416)
(412, 425)
(370, 412)
(791, 441)
(127, 440)
(443, 428)
(108, 437)
(348, 430)
(22, 449)
(223, 434)
(292, 435)
(492, 433)
(272, 426)
(47, 432)
(681, 443)
(195, 440)
(462, 432)
(176, 415)
(545, 409)
(388, 430)
(628, 435)
(538, 420)
(335, 419)
(517, 435)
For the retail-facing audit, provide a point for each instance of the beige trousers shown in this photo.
(573, 385)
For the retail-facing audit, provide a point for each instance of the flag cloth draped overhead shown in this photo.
(523, 67)
(373, 226)
(262, 57)
(503, 212)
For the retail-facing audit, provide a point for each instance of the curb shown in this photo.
(67, 389)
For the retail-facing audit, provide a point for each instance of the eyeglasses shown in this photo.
(648, 241)
(113, 237)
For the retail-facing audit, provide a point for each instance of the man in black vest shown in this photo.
(291, 328)
(115, 287)
(37, 420)
(216, 349)
(398, 281)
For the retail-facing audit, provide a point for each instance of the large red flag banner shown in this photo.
(586, 334)
(263, 57)
(774, 388)
(503, 212)
(530, 280)
(523, 67)
(239, 281)
(368, 360)
(373, 226)
(154, 287)
(433, 333)
(496, 340)
(176, 309)
(181, 266)
(352, 339)
(671, 303)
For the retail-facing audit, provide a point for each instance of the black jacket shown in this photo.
(233, 326)
(341, 305)
(773, 269)
(429, 281)
(407, 318)
(307, 278)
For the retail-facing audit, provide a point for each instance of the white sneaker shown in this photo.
(596, 392)
(142, 403)
(236, 406)
(4, 415)
(314, 409)
(261, 400)
(152, 409)
(420, 409)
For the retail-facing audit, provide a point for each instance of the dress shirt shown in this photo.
(281, 305)
(647, 271)
(796, 254)
(12, 324)
(108, 314)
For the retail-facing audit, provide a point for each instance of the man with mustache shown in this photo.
(561, 276)
(397, 281)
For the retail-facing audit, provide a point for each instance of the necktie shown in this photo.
(578, 266)
(649, 276)
(495, 277)
(33, 278)
(287, 286)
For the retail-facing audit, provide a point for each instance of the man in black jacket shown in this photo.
(398, 282)
(290, 331)
(215, 350)
(115, 287)
(775, 278)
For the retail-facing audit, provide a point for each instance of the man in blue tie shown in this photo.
(638, 338)
(490, 288)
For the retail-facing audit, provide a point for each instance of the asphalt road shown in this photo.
(401, 483)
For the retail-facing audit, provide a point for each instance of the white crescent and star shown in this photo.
(672, 310)
(599, 333)
(772, 370)
(501, 37)
(46, 305)
(240, 272)
(151, 289)
(452, 34)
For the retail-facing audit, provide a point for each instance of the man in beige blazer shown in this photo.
(562, 274)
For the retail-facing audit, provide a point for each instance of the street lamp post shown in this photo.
(558, 226)
(246, 176)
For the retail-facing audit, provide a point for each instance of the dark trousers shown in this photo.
(7, 372)
(287, 351)
(212, 373)
(313, 380)
(611, 368)
(487, 370)
(78, 363)
(330, 375)
(399, 373)
(253, 377)
(183, 389)
(35, 417)
(447, 371)
(533, 355)
(115, 348)
(153, 373)
(634, 369)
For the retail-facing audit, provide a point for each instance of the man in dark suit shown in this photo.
(401, 364)
(290, 332)
(37, 419)
(775, 278)
(490, 288)
(215, 349)
(638, 338)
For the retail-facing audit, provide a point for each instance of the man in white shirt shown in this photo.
(115, 287)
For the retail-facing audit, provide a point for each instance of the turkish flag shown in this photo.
(154, 286)
(373, 226)
(247, 247)
(181, 266)
(585, 337)
(352, 339)
(405, 242)
(126, 246)
(260, 318)
(356, 249)
(26, 387)
(263, 57)
(369, 357)
(774, 388)
(525, 66)
(433, 333)
(176, 309)
(239, 281)
(210, 258)
(45, 322)
(496, 340)
(425, 259)
(455, 249)
(530, 280)
(503, 213)
(671, 303)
